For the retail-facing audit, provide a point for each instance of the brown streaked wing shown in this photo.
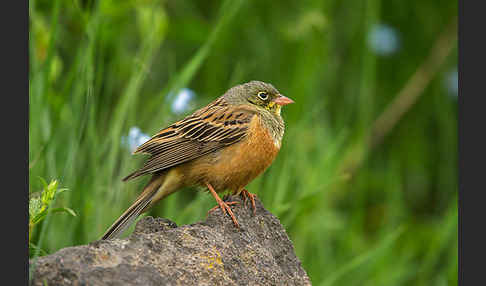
(207, 130)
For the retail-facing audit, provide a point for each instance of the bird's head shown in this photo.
(259, 94)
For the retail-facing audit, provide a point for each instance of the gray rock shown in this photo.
(212, 252)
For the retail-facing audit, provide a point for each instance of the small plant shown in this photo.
(40, 204)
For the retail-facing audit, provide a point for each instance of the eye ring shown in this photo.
(263, 95)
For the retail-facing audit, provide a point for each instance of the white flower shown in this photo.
(383, 40)
(142, 139)
(182, 100)
(134, 139)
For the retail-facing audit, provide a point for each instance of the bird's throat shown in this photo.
(275, 125)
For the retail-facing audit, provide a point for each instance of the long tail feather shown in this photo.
(139, 206)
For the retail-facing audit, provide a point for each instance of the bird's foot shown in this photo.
(245, 194)
(224, 206)
(218, 206)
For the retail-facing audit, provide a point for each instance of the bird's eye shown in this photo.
(263, 95)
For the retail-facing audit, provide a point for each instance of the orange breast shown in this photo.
(238, 164)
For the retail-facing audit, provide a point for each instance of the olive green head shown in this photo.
(257, 93)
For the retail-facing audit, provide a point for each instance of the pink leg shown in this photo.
(224, 206)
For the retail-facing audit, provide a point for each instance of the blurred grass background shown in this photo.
(366, 180)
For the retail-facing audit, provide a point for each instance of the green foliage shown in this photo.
(357, 215)
(40, 205)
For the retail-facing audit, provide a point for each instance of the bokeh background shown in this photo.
(366, 180)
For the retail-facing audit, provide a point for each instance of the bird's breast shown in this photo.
(238, 164)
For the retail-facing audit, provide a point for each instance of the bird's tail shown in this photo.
(139, 206)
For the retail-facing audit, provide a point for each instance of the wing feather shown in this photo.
(205, 131)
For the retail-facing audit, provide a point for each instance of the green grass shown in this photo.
(99, 68)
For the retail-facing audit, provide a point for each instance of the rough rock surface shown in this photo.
(158, 252)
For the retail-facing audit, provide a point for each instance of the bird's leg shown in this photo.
(228, 203)
(252, 197)
(223, 205)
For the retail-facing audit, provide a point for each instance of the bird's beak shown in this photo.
(283, 100)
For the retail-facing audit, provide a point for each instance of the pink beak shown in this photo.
(283, 100)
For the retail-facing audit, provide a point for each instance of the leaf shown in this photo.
(61, 190)
(52, 185)
(63, 209)
(34, 207)
(38, 218)
(41, 216)
(44, 183)
(50, 192)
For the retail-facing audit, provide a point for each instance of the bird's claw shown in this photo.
(245, 194)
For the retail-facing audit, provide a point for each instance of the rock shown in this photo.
(158, 252)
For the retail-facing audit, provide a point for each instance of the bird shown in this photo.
(222, 146)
